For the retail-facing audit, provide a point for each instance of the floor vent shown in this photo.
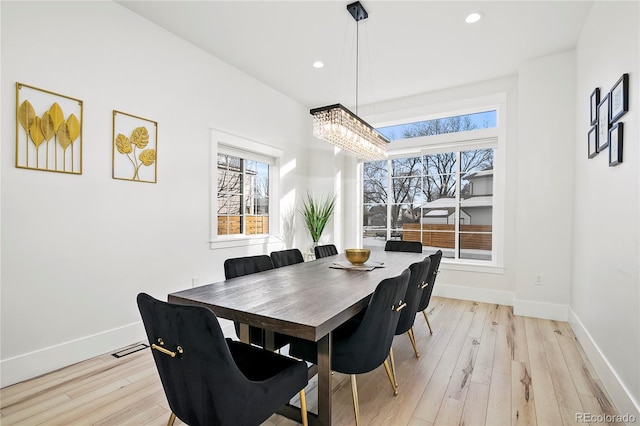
(130, 349)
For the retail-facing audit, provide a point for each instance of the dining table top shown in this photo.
(306, 300)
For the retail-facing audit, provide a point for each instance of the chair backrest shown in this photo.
(239, 266)
(406, 246)
(286, 257)
(202, 383)
(431, 280)
(369, 345)
(417, 283)
(324, 251)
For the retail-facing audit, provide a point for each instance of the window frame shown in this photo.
(246, 149)
(460, 141)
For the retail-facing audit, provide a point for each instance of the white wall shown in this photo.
(77, 249)
(605, 290)
(546, 89)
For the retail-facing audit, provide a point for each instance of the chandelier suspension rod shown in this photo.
(357, 61)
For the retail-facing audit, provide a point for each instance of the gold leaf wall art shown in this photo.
(134, 143)
(45, 140)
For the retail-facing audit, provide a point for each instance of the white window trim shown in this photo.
(253, 150)
(495, 138)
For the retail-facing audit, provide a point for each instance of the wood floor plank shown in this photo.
(502, 352)
(31, 388)
(523, 410)
(446, 326)
(560, 375)
(433, 395)
(480, 314)
(475, 407)
(450, 412)
(472, 371)
(499, 406)
(486, 350)
(547, 409)
(461, 377)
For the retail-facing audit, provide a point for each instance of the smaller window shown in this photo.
(243, 199)
(243, 196)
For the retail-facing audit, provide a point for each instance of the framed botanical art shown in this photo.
(48, 131)
(595, 100)
(619, 98)
(615, 145)
(135, 148)
(603, 123)
(593, 142)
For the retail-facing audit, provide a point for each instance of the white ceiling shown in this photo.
(406, 47)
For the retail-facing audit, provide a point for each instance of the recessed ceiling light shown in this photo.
(318, 64)
(474, 17)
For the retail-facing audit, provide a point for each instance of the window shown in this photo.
(243, 196)
(244, 208)
(443, 196)
(439, 126)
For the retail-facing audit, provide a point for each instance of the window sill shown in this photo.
(456, 265)
(243, 241)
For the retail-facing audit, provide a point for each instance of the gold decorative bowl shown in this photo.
(357, 256)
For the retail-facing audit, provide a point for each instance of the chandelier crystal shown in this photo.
(339, 126)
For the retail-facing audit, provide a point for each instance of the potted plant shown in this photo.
(316, 213)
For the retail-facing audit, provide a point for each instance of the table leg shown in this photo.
(244, 333)
(324, 380)
(269, 340)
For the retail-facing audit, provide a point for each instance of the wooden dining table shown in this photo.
(306, 300)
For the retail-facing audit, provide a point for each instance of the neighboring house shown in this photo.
(476, 203)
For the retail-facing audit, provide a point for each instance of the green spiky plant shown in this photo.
(316, 213)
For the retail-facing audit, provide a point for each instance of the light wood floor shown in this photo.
(482, 366)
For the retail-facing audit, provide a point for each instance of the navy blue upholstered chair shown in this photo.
(286, 257)
(210, 380)
(428, 289)
(324, 251)
(406, 246)
(360, 346)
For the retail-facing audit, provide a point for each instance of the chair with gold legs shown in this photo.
(362, 345)
(210, 380)
(428, 287)
(412, 297)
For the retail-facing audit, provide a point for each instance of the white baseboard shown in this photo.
(544, 310)
(619, 394)
(475, 294)
(36, 363)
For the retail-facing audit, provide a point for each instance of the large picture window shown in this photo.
(441, 198)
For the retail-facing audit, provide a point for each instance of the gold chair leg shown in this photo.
(412, 337)
(393, 369)
(427, 319)
(303, 408)
(172, 419)
(388, 370)
(354, 392)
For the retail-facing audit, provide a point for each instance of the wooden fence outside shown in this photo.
(230, 225)
(440, 235)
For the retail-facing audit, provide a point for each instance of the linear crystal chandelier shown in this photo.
(341, 127)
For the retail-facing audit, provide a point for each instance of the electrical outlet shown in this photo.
(538, 279)
(195, 281)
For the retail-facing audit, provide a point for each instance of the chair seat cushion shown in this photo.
(271, 364)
